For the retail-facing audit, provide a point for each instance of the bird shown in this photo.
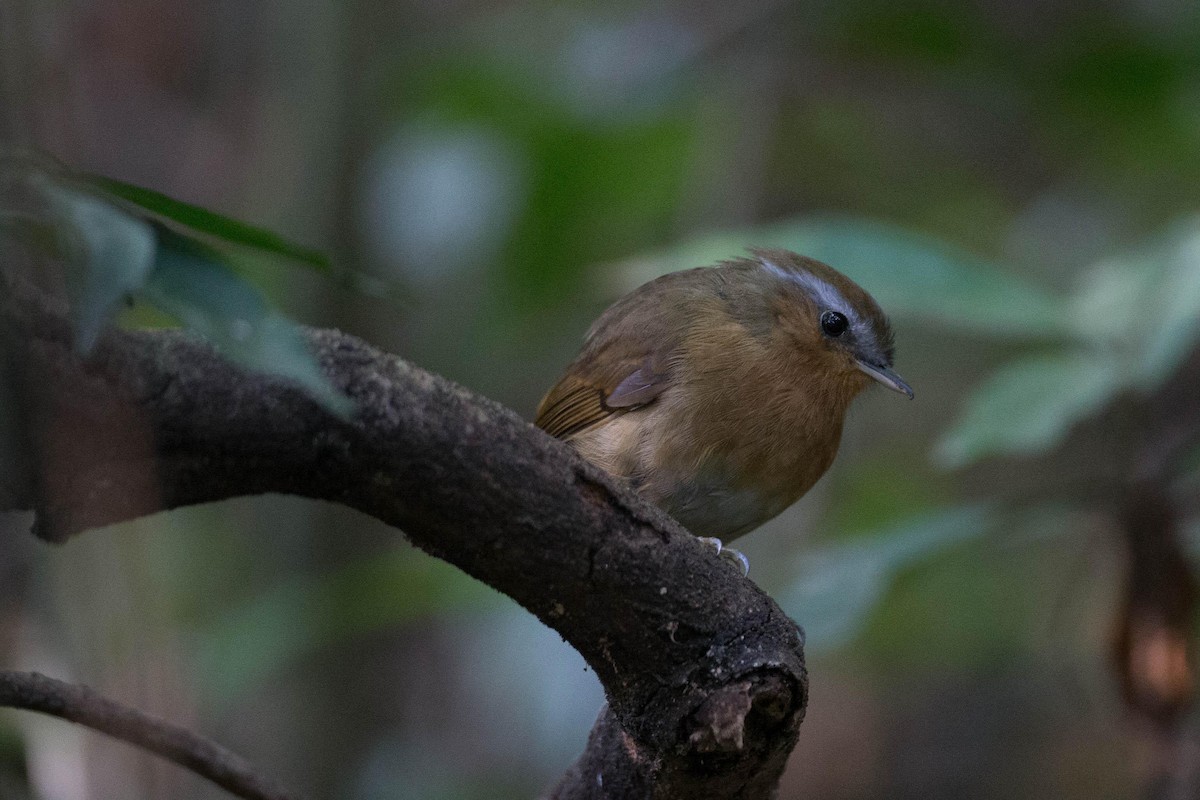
(719, 393)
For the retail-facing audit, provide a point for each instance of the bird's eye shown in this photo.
(834, 323)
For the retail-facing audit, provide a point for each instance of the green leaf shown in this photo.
(839, 586)
(107, 254)
(1145, 305)
(1027, 406)
(1139, 314)
(191, 282)
(218, 226)
(908, 274)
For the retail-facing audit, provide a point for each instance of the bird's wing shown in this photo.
(586, 396)
(626, 359)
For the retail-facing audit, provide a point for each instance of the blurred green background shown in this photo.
(1016, 182)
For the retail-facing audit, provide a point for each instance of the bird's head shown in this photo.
(837, 326)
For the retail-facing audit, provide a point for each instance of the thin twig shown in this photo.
(79, 704)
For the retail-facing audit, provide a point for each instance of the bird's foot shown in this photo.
(734, 557)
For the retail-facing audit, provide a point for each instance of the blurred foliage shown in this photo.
(109, 254)
(204, 221)
(114, 244)
(1027, 406)
(988, 605)
(1135, 317)
(588, 185)
(191, 282)
(839, 586)
(306, 613)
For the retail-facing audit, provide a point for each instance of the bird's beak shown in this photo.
(885, 376)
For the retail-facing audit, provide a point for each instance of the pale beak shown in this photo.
(885, 376)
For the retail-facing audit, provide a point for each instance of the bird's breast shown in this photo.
(724, 469)
(714, 505)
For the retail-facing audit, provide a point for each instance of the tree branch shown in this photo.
(34, 692)
(704, 673)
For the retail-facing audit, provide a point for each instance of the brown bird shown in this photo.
(718, 393)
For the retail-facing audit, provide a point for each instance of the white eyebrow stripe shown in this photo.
(826, 295)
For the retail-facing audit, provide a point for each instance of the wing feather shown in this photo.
(570, 408)
(626, 361)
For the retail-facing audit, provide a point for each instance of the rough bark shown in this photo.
(703, 672)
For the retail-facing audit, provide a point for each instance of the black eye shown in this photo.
(834, 323)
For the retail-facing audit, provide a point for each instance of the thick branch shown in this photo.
(704, 673)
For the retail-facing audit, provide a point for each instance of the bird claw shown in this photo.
(734, 557)
(738, 559)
